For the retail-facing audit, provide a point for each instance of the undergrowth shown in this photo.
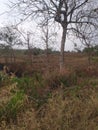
(51, 101)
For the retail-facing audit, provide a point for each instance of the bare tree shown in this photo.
(9, 38)
(48, 37)
(28, 39)
(68, 13)
(88, 37)
(30, 47)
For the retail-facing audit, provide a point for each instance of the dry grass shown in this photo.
(64, 111)
(70, 113)
(39, 62)
(72, 105)
(5, 93)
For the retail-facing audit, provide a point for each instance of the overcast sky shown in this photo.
(3, 9)
(6, 19)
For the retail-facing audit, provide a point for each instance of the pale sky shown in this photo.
(6, 19)
(3, 9)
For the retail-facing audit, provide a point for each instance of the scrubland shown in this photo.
(49, 100)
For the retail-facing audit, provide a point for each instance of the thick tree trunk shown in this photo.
(63, 40)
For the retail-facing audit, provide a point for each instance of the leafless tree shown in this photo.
(9, 38)
(28, 39)
(30, 47)
(68, 13)
(48, 37)
(88, 36)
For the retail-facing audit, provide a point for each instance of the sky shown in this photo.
(7, 19)
(3, 9)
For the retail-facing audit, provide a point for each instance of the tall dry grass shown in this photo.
(64, 111)
(72, 104)
(70, 113)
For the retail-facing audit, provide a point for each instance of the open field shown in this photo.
(49, 100)
(39, 62)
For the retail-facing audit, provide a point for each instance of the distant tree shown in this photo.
(88, 36)
(68, 13)
(93, 50)
(28, 42)
(9, 38)
(48, 37)
(30, 46)
(90, 49)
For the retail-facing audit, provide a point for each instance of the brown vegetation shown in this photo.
(39, 62)
(50, 100)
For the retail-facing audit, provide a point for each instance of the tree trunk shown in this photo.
(63, 40)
